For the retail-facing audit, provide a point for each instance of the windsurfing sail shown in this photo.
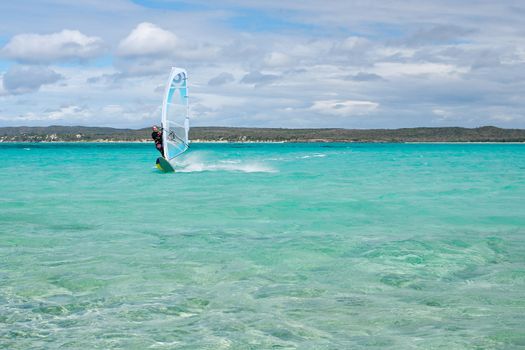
(175, 114)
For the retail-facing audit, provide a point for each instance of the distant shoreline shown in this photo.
(281, 142)
(485, 134)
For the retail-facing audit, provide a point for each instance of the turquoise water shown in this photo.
(263, 246)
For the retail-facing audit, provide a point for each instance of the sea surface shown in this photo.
(263, 246)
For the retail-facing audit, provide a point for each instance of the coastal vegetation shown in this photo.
(234, 134)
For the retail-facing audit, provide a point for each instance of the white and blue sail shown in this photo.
(175, 115)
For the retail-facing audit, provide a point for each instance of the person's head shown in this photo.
(155, 128)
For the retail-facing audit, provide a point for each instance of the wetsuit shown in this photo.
(157, 137)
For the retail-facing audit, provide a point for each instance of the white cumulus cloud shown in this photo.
(67, 45)
(147, 39)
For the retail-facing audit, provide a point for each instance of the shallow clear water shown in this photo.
(257, 246)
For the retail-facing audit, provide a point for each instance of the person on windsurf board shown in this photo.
(172, 138)
(156, 135)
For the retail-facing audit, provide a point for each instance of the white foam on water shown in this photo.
(196, 162)
(230, 161)
(315, 155)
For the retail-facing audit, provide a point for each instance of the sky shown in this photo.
(273, 63)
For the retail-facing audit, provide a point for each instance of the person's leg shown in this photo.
(160, 148)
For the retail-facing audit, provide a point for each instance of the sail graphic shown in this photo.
(175, 114)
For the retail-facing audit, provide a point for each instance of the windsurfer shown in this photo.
(156, 135)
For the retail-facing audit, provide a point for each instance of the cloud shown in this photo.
(67, 45)
(105, 78)
(147, 40)
(277, 59)
(393, 69)
(503, 117)
(26, 79)
(441, 113)
(149, 50)
(73, 114)
(142, 67)
(344, 107)
(66, 114)
(439, 34)
(362, 76)
(3, 91)
(70, 112)
(258, 78)
(221, 79)
(353, 43)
